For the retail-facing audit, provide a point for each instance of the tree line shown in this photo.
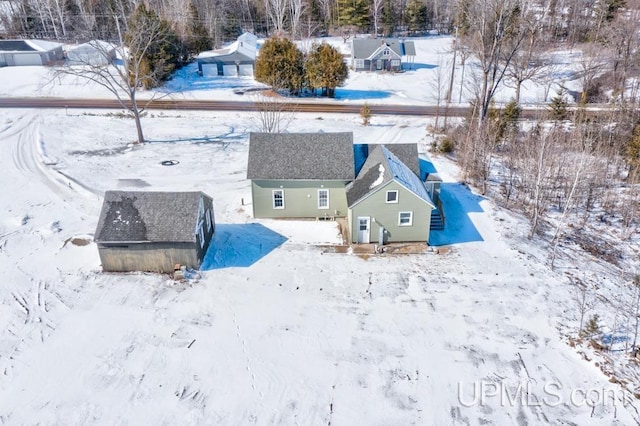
(574, 21)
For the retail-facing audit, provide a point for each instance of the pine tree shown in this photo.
(196, 38)
(325, 68)
(150, 38)
(416, 15)
(558, 107)
(280, 65)
(353, 13)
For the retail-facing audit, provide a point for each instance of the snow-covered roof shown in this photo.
(92, 46)
(381, 167)
(144, 216)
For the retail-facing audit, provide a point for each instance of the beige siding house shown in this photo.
(154, 231)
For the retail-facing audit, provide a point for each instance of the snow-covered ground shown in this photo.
(283, 333)
(423, 83)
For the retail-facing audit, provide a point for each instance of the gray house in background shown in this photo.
(388, 202)
(237, 59)
(300, 175)
(29, 52)
(381, 54)
(154, 231)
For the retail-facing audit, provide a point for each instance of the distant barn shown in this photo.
(154, 231)
(29, 52)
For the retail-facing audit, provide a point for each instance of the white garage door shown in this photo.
(209, 70)
(27, 59)
(246, 70)
(230, 70)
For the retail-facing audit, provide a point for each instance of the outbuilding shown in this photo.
(29, 52)
(154, 231)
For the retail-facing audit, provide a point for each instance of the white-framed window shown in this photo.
(392, 196)
(386, 52)
(208, 215)
(395, 62)
(405, 219)
(359, 63)
(278, 199)
(323, 198)
(201, 235)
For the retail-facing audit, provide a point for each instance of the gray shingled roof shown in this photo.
(16, 46)
(230, 58)
(409, 48)
(137, 216)
(381, 167)
(407, 153)
(301, 156)
(362, 48)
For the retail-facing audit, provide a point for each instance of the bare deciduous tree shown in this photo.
(494, 35)
(272, 115)
(123, 81)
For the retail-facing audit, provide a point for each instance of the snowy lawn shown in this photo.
(296, 336)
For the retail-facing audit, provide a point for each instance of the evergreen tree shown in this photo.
(353, 13)
(388, 17)
(325, 68)
(558, 107)
(280, 65)
(196, 38)
(416, 15)
(153, 41)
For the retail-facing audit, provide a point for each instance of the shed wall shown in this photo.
(150, 257)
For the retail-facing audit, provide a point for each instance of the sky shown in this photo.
(288, 330)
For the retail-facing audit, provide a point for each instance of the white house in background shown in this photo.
(94, 52)
(237, 59)
(29, 52)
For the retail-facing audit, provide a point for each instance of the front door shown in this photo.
(379, 64)
(364, 229)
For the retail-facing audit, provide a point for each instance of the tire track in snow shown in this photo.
(29, 162)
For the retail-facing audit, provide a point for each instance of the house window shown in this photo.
(278, 199)
(359, 63)
(395, 62)
(385, 52)
(392, 196)
(201, 235)
(405, 218)
(208, 215)
(323, 198)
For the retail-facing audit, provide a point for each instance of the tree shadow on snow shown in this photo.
(457, 202)
(356, 95)
(240, 245)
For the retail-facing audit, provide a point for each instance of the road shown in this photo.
(210, 105)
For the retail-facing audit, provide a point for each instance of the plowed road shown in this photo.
(316, 107)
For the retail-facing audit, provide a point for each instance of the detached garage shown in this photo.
(234, 61)
(29, 52)
(154, 231)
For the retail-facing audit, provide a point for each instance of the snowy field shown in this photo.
(291, 334)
